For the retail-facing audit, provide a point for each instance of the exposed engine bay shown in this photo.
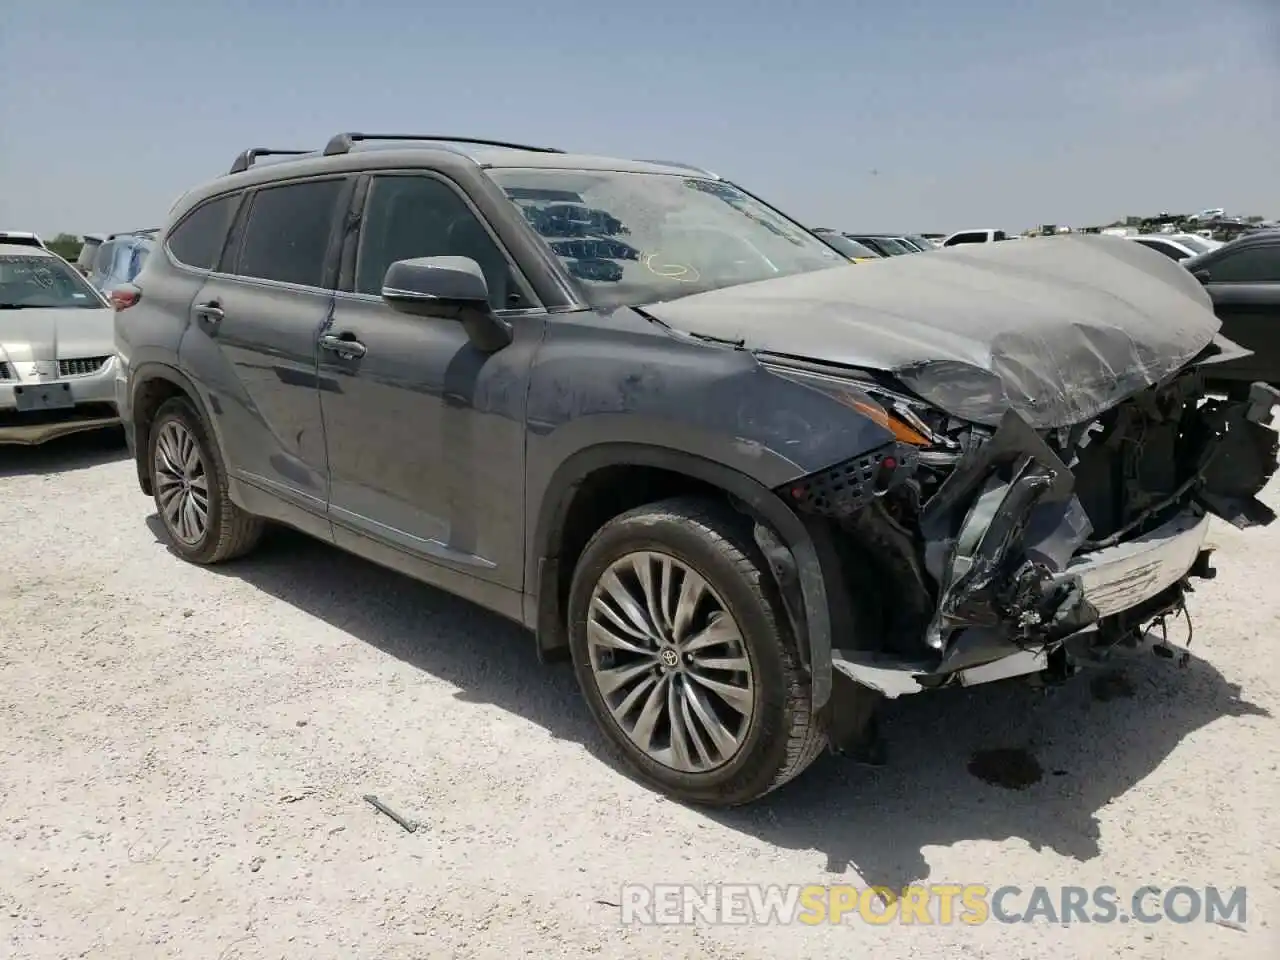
(960, 545)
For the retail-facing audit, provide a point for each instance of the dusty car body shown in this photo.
(57, 354)
(750, 489)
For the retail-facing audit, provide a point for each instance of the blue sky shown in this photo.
(862, 114)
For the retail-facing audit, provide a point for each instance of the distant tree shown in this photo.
(66, 245)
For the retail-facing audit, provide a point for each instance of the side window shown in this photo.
(287, 235)
(967, 238)
(103, 259)
(197, 240)
(136, 260)
(1252, 265)
(417, 216)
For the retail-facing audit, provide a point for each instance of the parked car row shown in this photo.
(873, 246)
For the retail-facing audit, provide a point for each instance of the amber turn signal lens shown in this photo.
(895, 426)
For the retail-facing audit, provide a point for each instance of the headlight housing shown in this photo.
(899, 415)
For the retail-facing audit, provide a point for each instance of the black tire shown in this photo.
(230, 531)
(783, 737)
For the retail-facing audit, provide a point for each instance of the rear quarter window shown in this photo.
(287, 235)
(198, 238)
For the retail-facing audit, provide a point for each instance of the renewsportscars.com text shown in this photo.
(928, 904)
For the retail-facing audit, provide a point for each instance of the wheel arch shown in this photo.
(600, 482)
(152, 384)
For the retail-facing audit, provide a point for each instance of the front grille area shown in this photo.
(841, 491)
(81, 367)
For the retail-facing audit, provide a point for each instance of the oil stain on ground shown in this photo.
(1010, 767)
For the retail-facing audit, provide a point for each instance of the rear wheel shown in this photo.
(685, 657)
(189, 483)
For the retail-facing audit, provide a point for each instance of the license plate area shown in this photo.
(31, 397)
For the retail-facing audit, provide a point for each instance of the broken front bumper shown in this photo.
(1114, 579)
(994, 570)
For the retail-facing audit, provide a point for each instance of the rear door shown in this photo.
(1245, 286)
(253, 336)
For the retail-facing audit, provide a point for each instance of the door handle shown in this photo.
(211, 311)
(345, 346)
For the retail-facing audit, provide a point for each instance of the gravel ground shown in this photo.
(184, 752)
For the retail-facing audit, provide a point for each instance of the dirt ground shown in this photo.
(184, 753)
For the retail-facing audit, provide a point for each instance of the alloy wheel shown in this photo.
(182, 483)
(670, 662)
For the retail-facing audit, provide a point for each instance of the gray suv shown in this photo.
(753, 490)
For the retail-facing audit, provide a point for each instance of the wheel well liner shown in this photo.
(603, 481)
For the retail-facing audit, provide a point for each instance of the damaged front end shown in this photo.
(968, 554)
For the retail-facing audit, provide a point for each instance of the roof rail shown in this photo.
(245, 160)
(342, 142)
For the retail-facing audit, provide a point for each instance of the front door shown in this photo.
(253, 337)
(425, 433)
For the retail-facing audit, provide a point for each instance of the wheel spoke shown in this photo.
(626, 603)
(199, 510)
(692, 590)
(602, 636)
(641, 689)
(691, 723)
(650, 714)
(738, 698)
(721, 630)
(167, 449)
(680, 755)
(622, 623)
(643, 566)
(190, 522)
(723, 739)
(734, 664)
(191, 460)
(170, 503)
(613, 679)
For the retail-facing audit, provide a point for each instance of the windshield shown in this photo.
(35, 282)
(1193, 243)
(894, 247)
(635, 238)
(850, 248)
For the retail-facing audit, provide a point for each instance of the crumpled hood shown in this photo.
(1059, 329)
(56, 334)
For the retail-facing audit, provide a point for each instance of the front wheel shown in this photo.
(189, 483)
(685, 656)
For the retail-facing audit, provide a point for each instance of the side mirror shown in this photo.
(1201, 275)
(450, 288)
